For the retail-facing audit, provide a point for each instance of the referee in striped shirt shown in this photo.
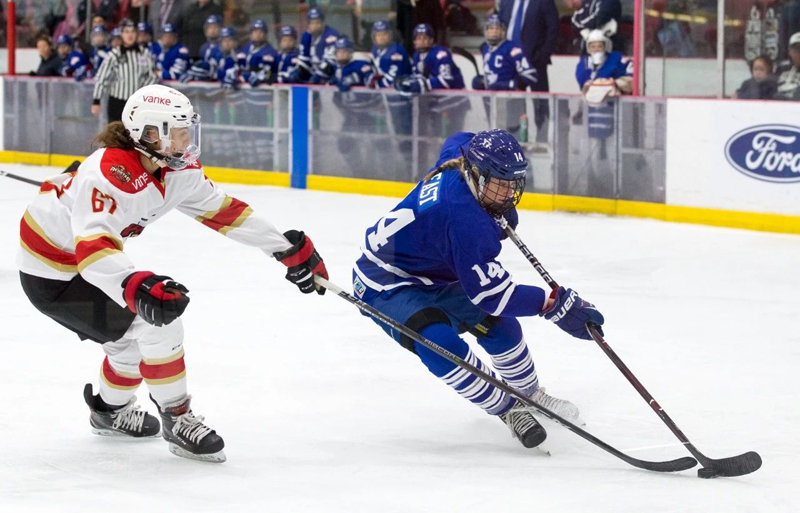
(124, 70)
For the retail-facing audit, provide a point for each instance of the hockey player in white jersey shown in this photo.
(74, 270)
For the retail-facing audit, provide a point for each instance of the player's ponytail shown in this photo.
(450, 164)
(115, 135)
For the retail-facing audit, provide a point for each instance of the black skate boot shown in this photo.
(188, 437)
(523, 426)
(127, 420)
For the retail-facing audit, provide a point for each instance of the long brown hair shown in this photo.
(458, 163)
(114, 135)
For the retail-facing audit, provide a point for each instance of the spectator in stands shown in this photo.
(789, 78)
(50, 64)
(317, 60)
(761, 85)
(166, 11)
(74, 62)
(110, 10)
(100, 49)
(134, 10)
(195, 16)
(604, 15)
(173, 61)
(289, 54)
(258, 60)
(533, 25)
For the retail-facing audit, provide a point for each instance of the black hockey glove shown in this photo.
(156, 299)
(303, 262)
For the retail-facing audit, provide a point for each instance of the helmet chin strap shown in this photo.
(155, 157)
(470, 181)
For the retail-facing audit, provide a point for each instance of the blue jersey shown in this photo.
(504, 64)
(354, 73)
(99, 54)
(173, 63)
(437, 235)
(317, 55)
(209, 50)
(76, 65)
(616, 66)
(258, 59)
(391, 62)
(228, 70)
(155, 49)
(438, 67)
(287, 62)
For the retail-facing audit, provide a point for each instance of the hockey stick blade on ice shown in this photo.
(734, 466)
(20, 178)
(684, 463)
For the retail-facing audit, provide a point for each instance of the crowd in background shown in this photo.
(539, 27)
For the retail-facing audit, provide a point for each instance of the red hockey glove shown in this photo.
(156, 299)
(303, 262)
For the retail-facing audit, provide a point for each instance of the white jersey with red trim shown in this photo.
(80, 220)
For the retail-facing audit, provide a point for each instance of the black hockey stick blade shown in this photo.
(20, 178)
(684, 463)
(740, 465)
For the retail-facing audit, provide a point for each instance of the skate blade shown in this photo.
(117, 434)
(217, 457)
(543, 448)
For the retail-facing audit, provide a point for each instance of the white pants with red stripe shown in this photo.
(147, 352)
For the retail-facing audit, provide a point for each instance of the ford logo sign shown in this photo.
(766, 152)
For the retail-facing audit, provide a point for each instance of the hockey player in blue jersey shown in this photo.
(74, 62)
(144, 35)
(173, 61)
(100, 48)
(431, 264)
(349, 72)
(258, 60)
(205, 68)
(316, 61)
(116, 38)
(390, 58)
(505, 66)
(289, 54)
(228, 72)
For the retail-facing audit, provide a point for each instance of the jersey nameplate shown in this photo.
(429, 194)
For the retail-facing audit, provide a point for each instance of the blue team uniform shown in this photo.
(98, 55)
(431, 264)
(173, 63)
(503, 65)
(76, 65)
(317, 56)
(258, 63)
(354, 73)
(601, 118)
(438, 68)
(391, 62)
(209, 50)
(155, 49)
(287, 63)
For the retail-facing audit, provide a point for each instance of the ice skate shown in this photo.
(523, 426)
(128, 420)
(560, 407)
(188, 437)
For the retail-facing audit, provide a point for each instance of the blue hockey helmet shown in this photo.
(287, 31)
(99, 30)
(168, 28)
(64, 39)
(381, 26)
(501, 166)
(315, 13)
(423, 29)
(227, 32)
(214, 19)
(117, 32)
(344, 43)
(494, 20)
(258, 25)
(145, 27)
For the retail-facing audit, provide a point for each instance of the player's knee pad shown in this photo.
(444, 336)
(420, 321)
(504, 334)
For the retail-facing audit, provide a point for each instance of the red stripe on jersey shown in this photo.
(165, 370)
(47, 187)
(43, 247)
(227, 216)
(115, 379)
(86, 248)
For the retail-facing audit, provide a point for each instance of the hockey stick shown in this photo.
(471, 58)
(684, 463)
(732, 466)
(20, 178)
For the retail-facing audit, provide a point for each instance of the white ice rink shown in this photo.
(321, 412)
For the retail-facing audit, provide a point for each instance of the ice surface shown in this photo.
(322, 412)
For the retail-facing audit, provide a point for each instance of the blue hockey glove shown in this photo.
(258, 77)
(571, 313)
(412, 84)
(198, 71)
(478, 83)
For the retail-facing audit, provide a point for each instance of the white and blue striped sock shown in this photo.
(517, 369)
(486, 396)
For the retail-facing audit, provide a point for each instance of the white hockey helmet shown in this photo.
(596, 36)
(163, 125)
